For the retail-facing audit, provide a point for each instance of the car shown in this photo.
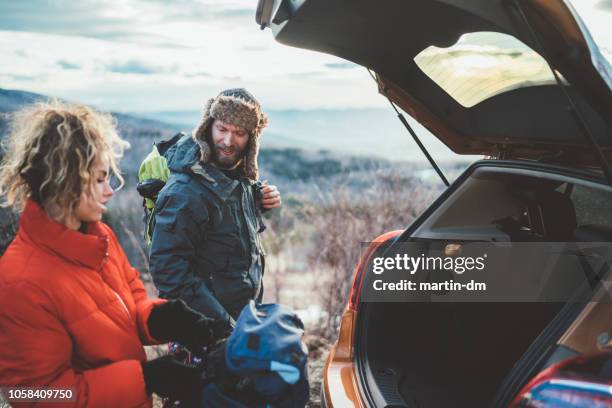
(522, 83)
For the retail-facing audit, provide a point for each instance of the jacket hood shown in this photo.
(182, 155)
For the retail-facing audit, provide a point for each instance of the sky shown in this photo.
(161, 55)
(155, 55)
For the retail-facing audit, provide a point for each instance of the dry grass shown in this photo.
(343, 222)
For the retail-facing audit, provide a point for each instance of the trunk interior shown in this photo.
(449, 355)
(460, 354)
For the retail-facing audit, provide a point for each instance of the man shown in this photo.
(206, 247)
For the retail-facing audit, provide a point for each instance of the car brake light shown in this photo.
(580, 382)
(363, 264)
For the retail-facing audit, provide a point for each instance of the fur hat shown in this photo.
(237, 107)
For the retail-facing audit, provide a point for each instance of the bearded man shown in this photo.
(206, 247)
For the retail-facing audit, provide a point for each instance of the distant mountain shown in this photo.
(352, 132)
(140, 132)
(12, 100)
(297, 145)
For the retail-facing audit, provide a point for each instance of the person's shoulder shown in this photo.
(25, 268)
(181, 154)
(180, 185)
(23, 258)
(183, 192)
(200, 182)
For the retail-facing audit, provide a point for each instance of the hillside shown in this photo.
(367, 132)
(295, 158)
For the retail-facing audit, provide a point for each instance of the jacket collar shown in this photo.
(184, 157)
(88, 249)
(217, 182)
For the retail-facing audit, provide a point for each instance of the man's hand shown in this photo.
(271, 197)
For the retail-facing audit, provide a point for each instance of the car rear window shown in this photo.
(482, 64)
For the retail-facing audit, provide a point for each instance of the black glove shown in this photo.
(175, 321)
(239, 388)
(215, 368)
(222, 329)
(170, 379)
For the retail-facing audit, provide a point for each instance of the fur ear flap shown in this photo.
(199, 133)
(251, 169)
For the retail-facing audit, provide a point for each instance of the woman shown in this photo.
(73, 311)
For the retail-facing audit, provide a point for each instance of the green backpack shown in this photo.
(152, 177)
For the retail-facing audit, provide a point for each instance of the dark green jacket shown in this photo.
(206, 247)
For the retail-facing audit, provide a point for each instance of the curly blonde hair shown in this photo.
(50, 155)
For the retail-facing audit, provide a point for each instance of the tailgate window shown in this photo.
(482, 64)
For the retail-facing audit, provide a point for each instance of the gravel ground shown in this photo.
(318, 349)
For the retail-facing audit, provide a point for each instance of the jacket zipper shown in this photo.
(127, 312)
(251, 234)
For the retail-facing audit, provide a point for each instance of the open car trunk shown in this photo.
(480, 354)
(448, 355)
(420, 51)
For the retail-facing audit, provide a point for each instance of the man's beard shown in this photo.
(227, 158)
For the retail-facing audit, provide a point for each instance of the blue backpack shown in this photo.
(267, 357)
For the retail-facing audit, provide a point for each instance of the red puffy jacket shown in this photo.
(73, 313)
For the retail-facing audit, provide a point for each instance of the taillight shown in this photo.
(362, 266)
(580, 382)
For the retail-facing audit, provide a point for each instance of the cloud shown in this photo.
(118, 74)
(605, 5)
(341, 65)
(135, 66)
(235, 78)
(137, 21)
(219, 12)
(306, 75)
(254, 48)
(197, 75)
(68, 65)
(26, 78)
(238, 12)
(60, 17)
